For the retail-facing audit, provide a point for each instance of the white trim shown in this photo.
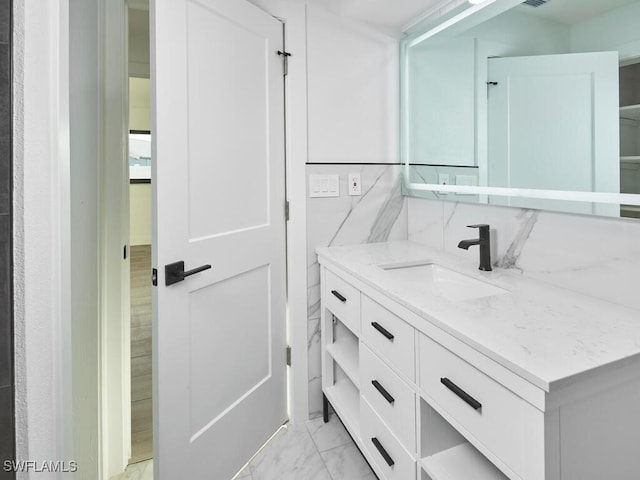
(294, 16)
(114, 231)
(297, 226)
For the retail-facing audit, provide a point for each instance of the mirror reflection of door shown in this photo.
(551, 114)
(554, 113)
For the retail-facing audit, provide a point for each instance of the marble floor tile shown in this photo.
(346, 463)
(310, 451)
(137, 471)
(291, 455)
(245, 474)
(328, 435)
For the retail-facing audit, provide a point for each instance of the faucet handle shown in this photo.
(480, 226)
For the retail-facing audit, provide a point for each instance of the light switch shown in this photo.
(324, 185)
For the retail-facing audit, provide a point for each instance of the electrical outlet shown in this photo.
(355, 187)
(443, 179)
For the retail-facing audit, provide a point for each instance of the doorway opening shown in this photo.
(140, 225)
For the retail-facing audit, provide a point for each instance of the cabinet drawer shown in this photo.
(382, 448)
(390, 397)
(488, 414)
(343, 300)
(390, 336)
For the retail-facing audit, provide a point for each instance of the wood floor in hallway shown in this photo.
(141, 417)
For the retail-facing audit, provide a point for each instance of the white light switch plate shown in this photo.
(324, 186)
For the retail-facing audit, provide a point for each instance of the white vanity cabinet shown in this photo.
(423, 405)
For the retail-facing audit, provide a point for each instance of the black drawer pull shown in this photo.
(383, 330)
(383, 452)
(387, 396)
(472, 402)
(338, 296)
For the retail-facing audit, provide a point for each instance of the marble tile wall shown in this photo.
(597, 256)
(378, 215)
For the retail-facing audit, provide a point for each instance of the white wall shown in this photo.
(615, 30)
(42, 231)
(352, 71)
(139, 193)
(140, 214)
(139, 104)
(523, 34)
(139, 42)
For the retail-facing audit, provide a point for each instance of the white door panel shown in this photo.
(219, 335)
(553, 124)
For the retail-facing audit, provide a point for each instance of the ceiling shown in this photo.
(571, 12)
(389, 13)
(394, 14)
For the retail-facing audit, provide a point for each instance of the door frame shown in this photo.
(115, 362)
(43, 409)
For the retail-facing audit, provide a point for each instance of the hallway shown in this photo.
(141, 398)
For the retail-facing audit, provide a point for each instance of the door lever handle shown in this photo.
(174, 272)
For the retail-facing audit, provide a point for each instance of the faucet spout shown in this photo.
(465, 244)
(485, 246)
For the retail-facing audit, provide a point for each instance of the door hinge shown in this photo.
(288, 354)
(124, 252)
(154, 277)
(286, 210)
(285, 61)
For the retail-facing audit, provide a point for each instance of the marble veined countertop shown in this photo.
(546, 334)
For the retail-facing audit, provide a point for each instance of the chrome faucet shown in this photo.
(485, 246)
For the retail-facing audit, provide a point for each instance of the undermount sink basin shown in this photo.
(435, 278)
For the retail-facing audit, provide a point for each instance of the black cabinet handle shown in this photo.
(338, 296)
(387, 396)
(472, 402)
(174, 272)
(383, 452)
(382, 330)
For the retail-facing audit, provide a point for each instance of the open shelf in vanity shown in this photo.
(341, 370)
(446, 455)
(629, 135)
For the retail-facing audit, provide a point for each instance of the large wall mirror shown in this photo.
(533, 104)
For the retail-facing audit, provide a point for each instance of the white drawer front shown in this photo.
(343, 300)
(389, 396)
(499, 424)
(374, 431)
(389, 335)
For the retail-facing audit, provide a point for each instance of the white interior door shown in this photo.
(553, 124)
(218, 140)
